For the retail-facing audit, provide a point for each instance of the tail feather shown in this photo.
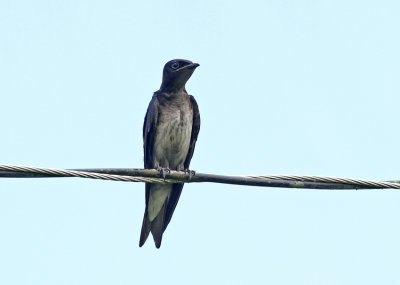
(146, 227)
(161, 221)
(156, 227)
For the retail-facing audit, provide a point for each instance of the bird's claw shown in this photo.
(164, 171)
(190, 172)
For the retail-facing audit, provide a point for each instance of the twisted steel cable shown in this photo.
(154, 176)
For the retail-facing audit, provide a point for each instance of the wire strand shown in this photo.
(154, 176)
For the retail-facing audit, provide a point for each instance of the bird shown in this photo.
(170, 130)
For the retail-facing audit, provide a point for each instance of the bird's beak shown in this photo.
(190, 66)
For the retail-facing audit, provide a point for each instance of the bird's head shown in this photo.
(176, 73)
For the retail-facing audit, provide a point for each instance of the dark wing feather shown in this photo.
(172, 201)
(149, 131)
(195, 131)
(149, 125)
(177, 188)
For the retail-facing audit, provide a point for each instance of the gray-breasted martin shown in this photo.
(170, 131)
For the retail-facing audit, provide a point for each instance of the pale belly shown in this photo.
(172, 140)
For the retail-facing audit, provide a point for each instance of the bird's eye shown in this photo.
(175, 65)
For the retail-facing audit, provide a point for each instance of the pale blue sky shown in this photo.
(284, 87)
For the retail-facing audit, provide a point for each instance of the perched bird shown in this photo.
(170, 131)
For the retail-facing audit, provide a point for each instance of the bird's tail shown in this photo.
(146, 227)
(156, 227)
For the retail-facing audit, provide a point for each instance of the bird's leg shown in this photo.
(163, 171)
(190, 172)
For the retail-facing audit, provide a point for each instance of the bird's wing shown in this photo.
(149, 131)
(195, 131)
(177, 188)
(173, 199)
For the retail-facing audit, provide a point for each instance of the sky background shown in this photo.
(284, 87)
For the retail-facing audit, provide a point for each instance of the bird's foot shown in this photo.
(164, 171)
(190, 172)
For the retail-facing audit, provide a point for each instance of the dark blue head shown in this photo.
(176, 73)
